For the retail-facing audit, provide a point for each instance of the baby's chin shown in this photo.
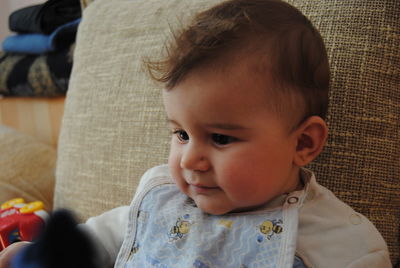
(216, 212)
(221, 210)
(213, 208)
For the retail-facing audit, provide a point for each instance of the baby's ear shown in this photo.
(311, 137)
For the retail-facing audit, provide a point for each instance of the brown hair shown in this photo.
(294, 52)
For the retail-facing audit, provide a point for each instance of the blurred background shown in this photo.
(8, 6)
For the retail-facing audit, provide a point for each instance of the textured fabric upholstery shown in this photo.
(114, 126)
(27, 168)
(361, 162)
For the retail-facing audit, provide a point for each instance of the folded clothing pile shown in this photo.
(37, 60)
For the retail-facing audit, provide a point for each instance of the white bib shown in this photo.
(172, 232)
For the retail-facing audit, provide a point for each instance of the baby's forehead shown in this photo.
(243, 76)
(245, 64)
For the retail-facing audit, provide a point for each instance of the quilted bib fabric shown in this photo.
(173, 232)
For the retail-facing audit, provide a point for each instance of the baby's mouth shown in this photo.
(201, 189)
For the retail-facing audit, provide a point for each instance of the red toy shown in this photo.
(20, 221)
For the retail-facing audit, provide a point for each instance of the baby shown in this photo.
(246, 96)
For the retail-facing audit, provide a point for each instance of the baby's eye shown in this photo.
(221, 139)
(182, 135)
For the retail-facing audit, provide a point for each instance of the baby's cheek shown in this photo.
(233, 183)
(239, 183)
(173, 158)
(173, 164)
(176, 171)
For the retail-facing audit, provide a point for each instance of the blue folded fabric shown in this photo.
(60, 38)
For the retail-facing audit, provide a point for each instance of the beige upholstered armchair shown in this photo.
(113, 127)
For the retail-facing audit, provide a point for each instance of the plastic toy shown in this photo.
(20, 221)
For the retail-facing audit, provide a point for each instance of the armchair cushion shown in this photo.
(27, 168)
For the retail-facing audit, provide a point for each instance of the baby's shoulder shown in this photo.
(160, 171)
(333, 234)
(153, 176)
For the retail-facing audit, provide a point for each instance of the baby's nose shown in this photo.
(193, 158)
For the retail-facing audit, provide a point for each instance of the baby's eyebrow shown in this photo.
(226, 126)
(171, 121)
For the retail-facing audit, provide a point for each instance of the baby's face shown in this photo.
(228, 151)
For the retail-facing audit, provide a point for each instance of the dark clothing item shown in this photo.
(61, 244)
(46, 17)
(45, 75)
